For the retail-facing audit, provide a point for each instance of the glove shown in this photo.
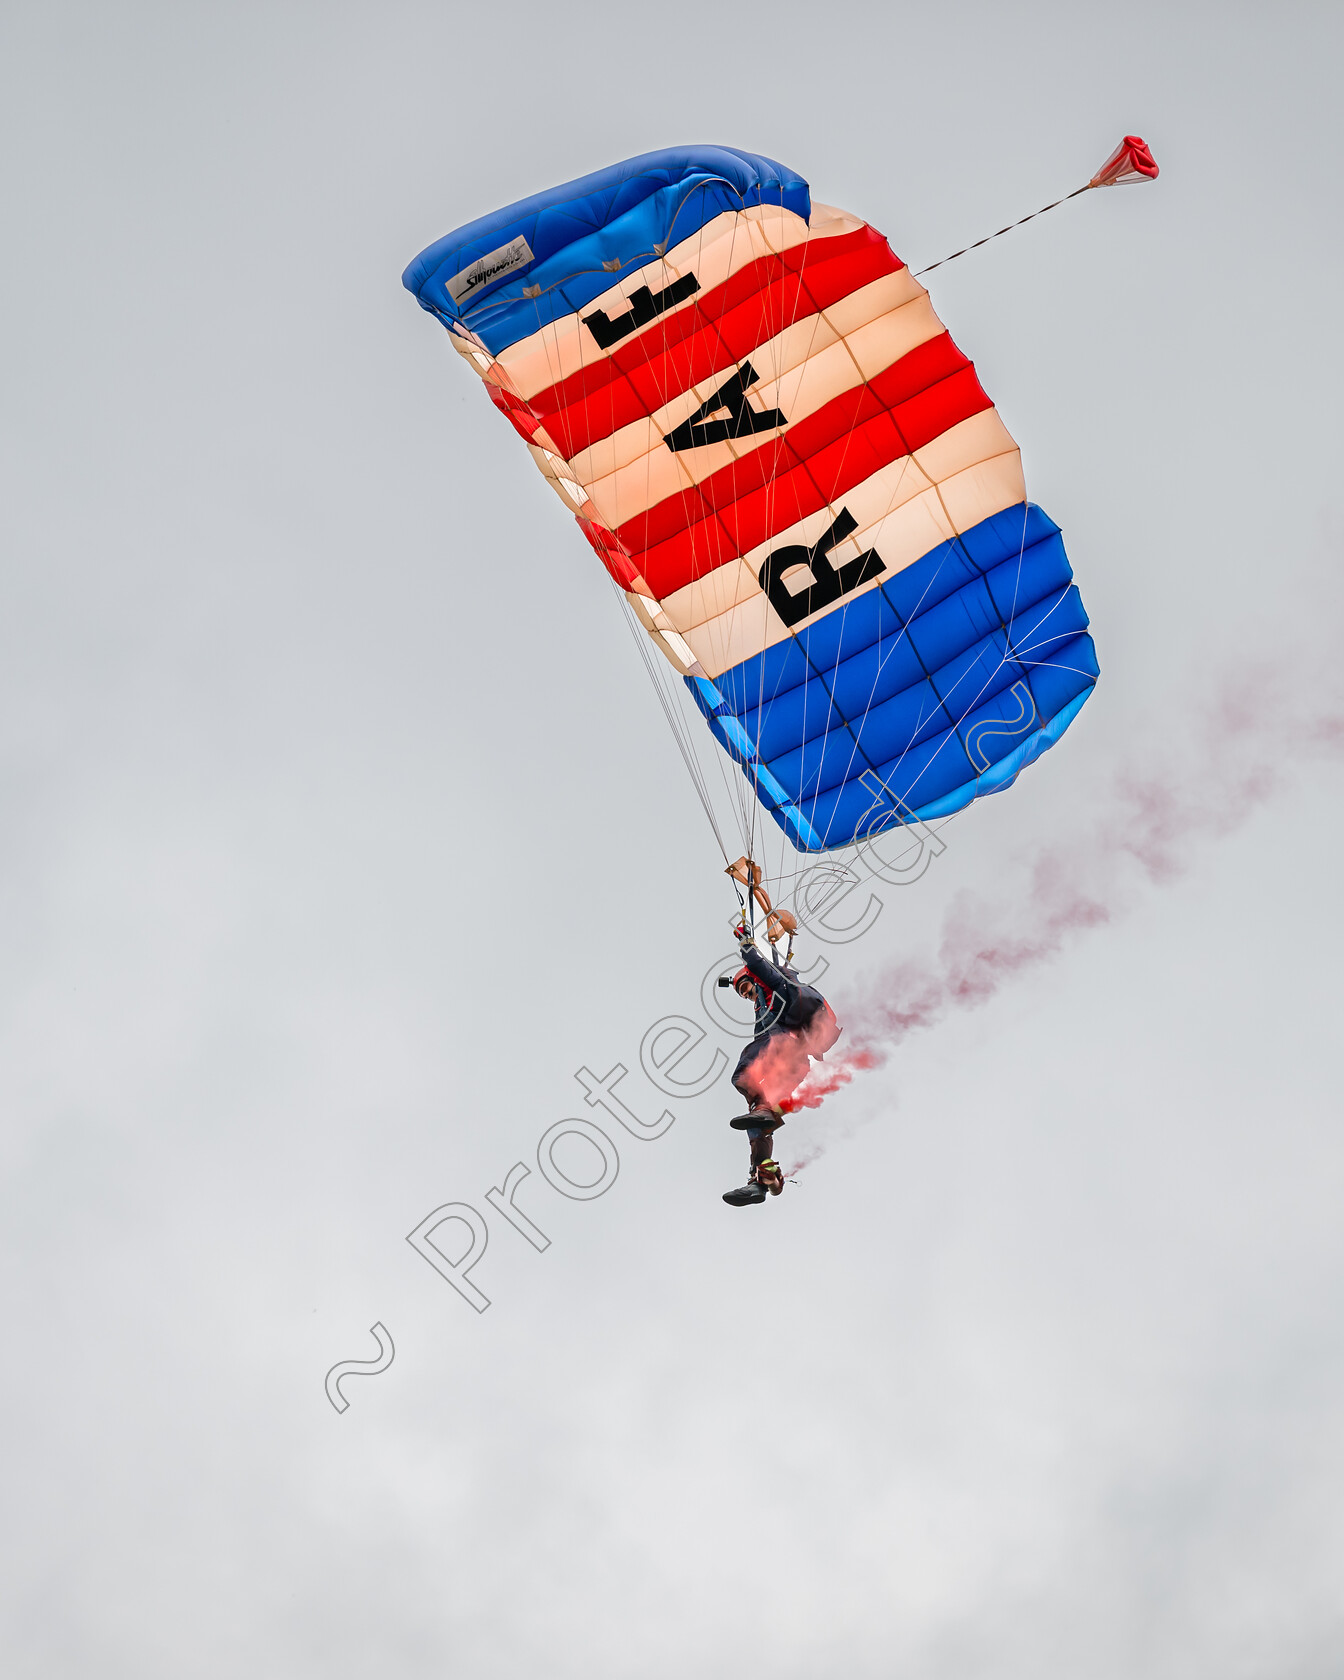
(742, 936)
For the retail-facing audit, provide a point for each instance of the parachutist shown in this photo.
(793, 1024)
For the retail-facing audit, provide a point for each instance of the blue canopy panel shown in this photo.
(520, 268)
(934, 689)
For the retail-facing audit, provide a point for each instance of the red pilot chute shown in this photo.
(1129, 164)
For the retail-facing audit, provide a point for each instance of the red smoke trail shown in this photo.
(1251, 739)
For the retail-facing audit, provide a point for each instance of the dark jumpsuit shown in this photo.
(790, 1025)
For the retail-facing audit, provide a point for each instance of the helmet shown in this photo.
(744, 976)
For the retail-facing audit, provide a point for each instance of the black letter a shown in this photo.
(742, 421)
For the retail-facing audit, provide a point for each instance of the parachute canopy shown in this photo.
(791, 472)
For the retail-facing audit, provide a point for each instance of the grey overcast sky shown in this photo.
(340, 828)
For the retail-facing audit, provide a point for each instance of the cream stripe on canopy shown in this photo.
(814, 360)
(971, 471)
(717, 251)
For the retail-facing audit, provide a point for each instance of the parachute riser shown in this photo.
(778, 923)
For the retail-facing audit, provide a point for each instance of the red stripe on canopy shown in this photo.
(847, 441)
(715, 333)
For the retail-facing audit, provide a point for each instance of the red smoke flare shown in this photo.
(825, 1078)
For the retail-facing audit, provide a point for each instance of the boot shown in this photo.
(752, 1193)
(770, 1175)
(760, 1119)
